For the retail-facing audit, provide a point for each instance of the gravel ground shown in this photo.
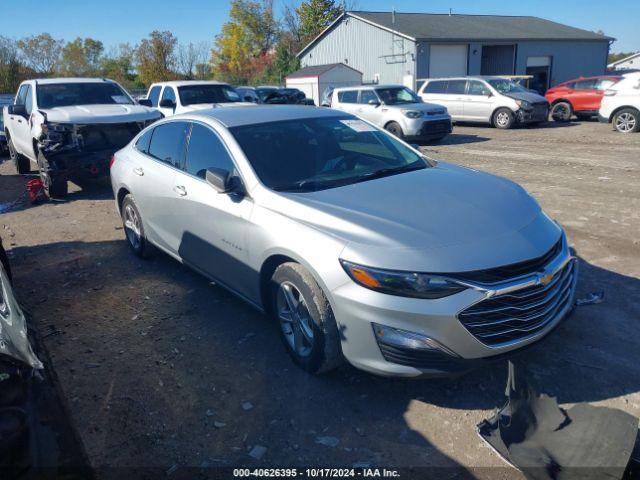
(161, 369)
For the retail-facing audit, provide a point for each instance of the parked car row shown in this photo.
(323, 218)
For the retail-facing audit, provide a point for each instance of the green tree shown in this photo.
(81, 57)
(10, 66)
(614, 57)
(244, 49)
(41, 52)
(118, 65)
(316, 15)
(157, 58)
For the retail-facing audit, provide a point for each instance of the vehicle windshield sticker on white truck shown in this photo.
(120, 99)
(358, 125)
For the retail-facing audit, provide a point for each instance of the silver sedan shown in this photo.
(358, 246)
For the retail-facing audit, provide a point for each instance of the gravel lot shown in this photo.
(162, 369)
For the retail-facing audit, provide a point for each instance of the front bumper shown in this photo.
(79, 165)
(356, 308)
(426, 128)
(535, 114)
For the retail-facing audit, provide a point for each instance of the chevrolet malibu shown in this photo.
(357, 245)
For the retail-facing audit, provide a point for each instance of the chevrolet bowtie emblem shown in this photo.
(544, 280)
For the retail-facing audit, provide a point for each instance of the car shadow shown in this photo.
(460, 139)
(153, 357)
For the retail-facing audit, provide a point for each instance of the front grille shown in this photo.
(437, 126)
(509, 272)
(115, 136)
(436, 112)
(522, 313)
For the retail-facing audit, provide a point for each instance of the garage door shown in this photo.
(448, 60)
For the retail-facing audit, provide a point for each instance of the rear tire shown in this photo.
(627, 120)
(503, 118)
(562, 112)
(133, 227)
(308, 328)
(22, 163)
(395, 129)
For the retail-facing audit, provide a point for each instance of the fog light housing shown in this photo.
(408, 340)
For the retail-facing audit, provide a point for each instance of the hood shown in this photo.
(530, 97)
(205, 106)
(420, 106)
(115, 113)
(441, 219)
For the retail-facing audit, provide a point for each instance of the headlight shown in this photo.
(523, 104)
(49, 127)
(413, 113)
(610, 93)
(402, 284)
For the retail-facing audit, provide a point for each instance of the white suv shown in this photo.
(172, 98)
(396, 109)
(621, 104)
(497, 101)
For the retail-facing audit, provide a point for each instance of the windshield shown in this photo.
(504, 85)
(194, 94)
(319, 153)
(397, 96)
(53, 95)
(263, 93)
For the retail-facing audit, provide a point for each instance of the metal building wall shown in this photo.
(366, 48)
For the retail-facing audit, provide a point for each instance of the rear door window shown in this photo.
(585, 85)
(154, 95)
(437, 86)
(168, 142)
(456, 87)
(206, 150)
(349, 96)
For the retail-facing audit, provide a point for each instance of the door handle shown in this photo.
(19, 121)
(138, 171)
(180, 190)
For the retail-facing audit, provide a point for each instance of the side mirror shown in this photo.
(17, 110)
(145, 102)
(166, 103)
(223, 181)
(375, 103)
(489, 94)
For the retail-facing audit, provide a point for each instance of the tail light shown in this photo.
(112, 161)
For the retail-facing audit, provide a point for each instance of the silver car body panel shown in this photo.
(441, 219)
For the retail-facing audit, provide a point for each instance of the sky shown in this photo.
(118, 21)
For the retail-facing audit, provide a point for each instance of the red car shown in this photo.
(581, 97)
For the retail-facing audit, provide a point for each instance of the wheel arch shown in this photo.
(623, 107)
(122, 192)
(558, 100)
(500, 107)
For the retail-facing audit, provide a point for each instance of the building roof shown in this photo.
(445, 27)
(623, 60)
(317, 70)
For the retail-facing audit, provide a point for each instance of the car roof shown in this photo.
(184, 83)
(595, 77)
(473, 77)
(46, 81)
(240, 116)
(375, 87)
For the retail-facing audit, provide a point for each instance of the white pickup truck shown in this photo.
(173, 98)
(70, 128)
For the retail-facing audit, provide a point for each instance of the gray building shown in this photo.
(406, 48)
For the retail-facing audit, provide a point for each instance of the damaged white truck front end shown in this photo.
(70, 128)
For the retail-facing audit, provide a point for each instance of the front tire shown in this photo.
(503, 119)
(561, 112)
(627, 120)
(22, 163)
(307, 325)
(133, 227)
(395, 129)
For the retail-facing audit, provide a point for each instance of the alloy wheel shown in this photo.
(132, 226)
(502, 119)
(625, 122)
(295, 319)
(561, 112)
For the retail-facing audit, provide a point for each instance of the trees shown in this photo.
(156, 57)
(244, 48)
(316, 15)
(41, 52)
(191, 58)
(10, 67)
(81, 57)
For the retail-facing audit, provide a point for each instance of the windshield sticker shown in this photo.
(120, 99)
(358, 125)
